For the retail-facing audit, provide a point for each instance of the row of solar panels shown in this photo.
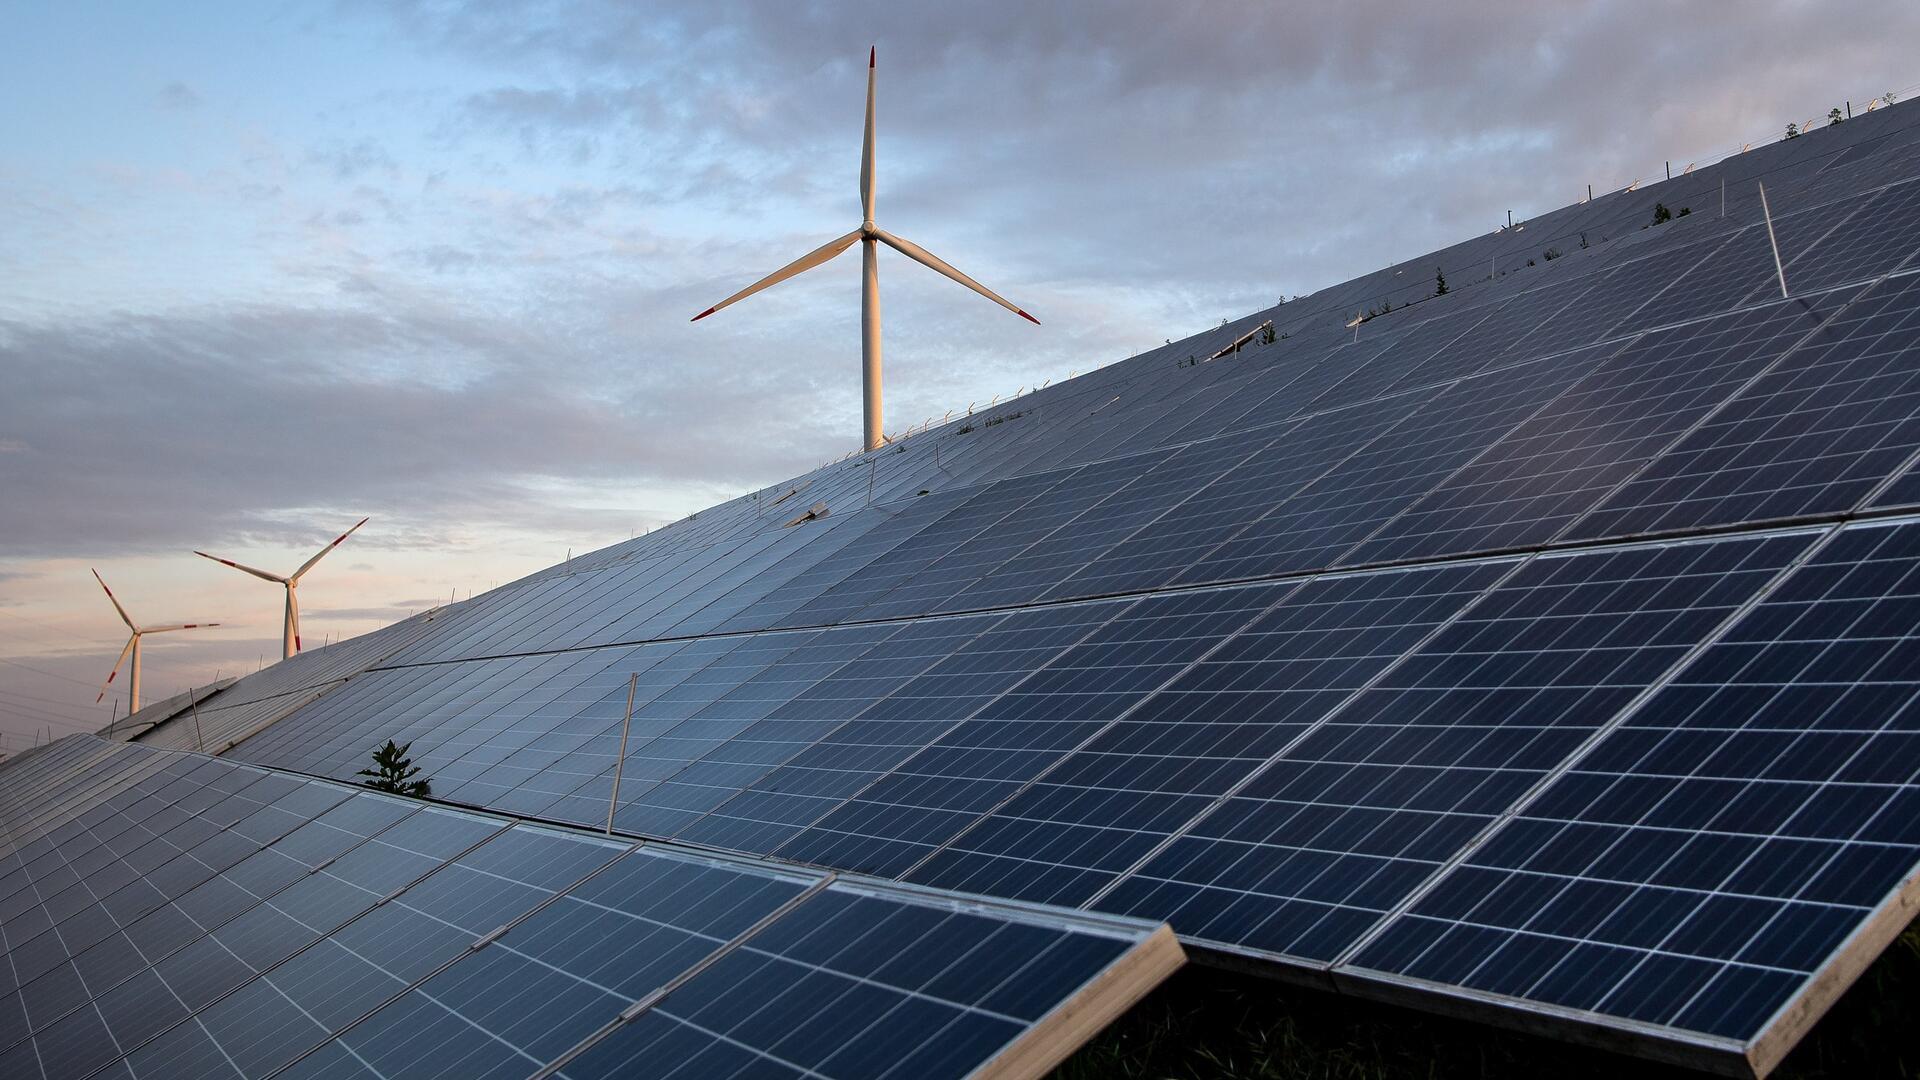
(166, 914)
(1554, 778)
(1651, 790)
(1785, 410)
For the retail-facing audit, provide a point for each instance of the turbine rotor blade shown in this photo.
(177, 626)
(261, 574)
(337, 541)
(798, 266)
(866, 147)
(115, 602)
(933, 262)
(105, 686)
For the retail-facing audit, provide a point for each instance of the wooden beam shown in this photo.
(1078, 1019)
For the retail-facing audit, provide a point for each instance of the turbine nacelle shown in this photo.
(869, 236)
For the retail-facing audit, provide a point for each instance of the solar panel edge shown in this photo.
(1656, 1042)
(1834, 976)
(1099, 1002)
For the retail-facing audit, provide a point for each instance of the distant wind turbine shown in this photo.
(133, 647)
(870, 237)
(290, 635)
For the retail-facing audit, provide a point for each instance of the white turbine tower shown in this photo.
(290, 635)
(870, 237)
(133, 647)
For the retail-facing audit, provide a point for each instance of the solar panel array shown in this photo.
(1537, 650)
(167, 914)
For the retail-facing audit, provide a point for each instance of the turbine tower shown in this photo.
(133, 647)
(290, 635)
(870, 237)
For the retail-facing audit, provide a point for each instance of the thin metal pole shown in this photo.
(199, 740)
(1723, 196)
(1778, 266)
(633, 681)
(113, 716)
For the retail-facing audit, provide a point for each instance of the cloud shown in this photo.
(349, 160)
(200, 426)
(178, 95)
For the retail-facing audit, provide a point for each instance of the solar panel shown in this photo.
(1880, 237)
(426, 941)
(1344, 505)
(1818, 432)
(1738, 833)
(1541, 476)
(1347, 820)
(1182, 742)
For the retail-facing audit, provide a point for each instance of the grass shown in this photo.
(1207, 1024)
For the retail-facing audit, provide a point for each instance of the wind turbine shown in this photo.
(133, 647)
(290, 636)
(870, 237)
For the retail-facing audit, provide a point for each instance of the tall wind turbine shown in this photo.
(133, 647)
(290, 635)
(870, 237)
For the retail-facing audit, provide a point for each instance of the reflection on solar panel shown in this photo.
(1540, 650)
(210, 919)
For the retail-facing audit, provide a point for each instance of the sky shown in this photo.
(267, 268)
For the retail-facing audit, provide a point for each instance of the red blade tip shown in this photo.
(702, 315)
(1029, 318)
(871, 50)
